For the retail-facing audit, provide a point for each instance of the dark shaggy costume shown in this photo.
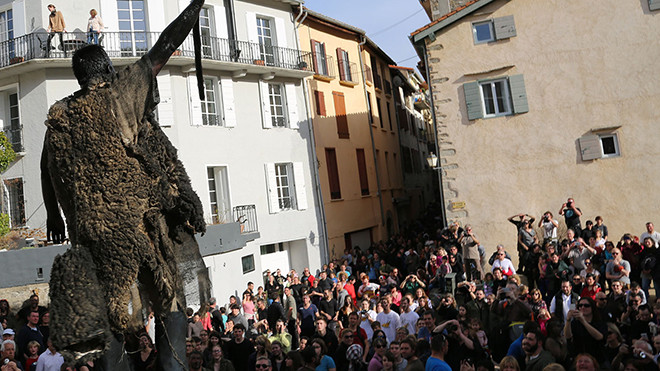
(131, 214)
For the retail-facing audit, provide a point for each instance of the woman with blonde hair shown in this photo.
(94, 27)
(509, 363)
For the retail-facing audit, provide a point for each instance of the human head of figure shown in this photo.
(8, 349)
(586, 362)
(389, 360)
(33, 318)
(93, 13)
(570, 234)
(509, 363)
(51, 8)
(346, 336)
(380, 345)
(532, 341)
(649, 227)
(263, 364)
(195, 360)
(91, 65)
(319, 347)
(407, 347)
(566, 287)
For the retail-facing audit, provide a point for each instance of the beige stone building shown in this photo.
(355, 132)
(538, 101)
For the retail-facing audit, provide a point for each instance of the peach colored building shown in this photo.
(356, 133)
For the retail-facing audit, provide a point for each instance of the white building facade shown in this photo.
(247, 146)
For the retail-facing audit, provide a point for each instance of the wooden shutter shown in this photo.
(166, 106)
(315, 60)
(333, 173)
(378, 111)
(362, 171)
(220, 16)
(340, 60)
(299, 183)
(403, 119)
(590, 147)
(504, 27)
(473, 100)
(195, 103)
(654, 4)
(271, 188)
(320, 103)
(292, 105)
(265, 105)
(228, 104)
(518, 94)
(340, 114)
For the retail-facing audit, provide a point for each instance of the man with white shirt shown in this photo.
(650, 232)
(407, 317)
(389, 320)
(561, 302)
(50, 360)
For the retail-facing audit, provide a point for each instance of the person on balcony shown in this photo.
(94, 27)
(56, 26)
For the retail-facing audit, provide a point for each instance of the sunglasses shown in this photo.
(587, 263)
(379, 346)
(261, 365)
(584, 305)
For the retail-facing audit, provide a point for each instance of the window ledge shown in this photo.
(344, 136)
(366, 196)
(379, 90)
(336, 199)
(350, 84)
(383, 130)
(369, 83)
(323, 78)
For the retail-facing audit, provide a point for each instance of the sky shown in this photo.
(387, 22)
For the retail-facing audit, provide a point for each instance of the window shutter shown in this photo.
(590, 147)
(292, 105)
(166, 105)
(315, 60)
(156, 19)
(473, 100)
(340, 114)
(362, 171)
(340, 60)
(280, 32)
(333, 173)
(320, 103)
(504, 27)
(220, 17)
(18, 9)
(518, 94)
(251, 24)
(195, 103)
(228, 104)
(265, 105)
(299, 183)
(654, 4)
(108, 10)
(271, 185)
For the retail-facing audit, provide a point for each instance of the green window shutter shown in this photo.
(473, 100)
(590, 147)
(504, 27)
(654, 4)
(518, 94)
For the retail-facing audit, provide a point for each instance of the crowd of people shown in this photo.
(427, 299)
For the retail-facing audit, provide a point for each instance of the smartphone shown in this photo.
(572, 306)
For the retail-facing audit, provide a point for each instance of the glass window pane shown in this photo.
(499, 93)
(483, 31)
(488, 99)
(609, 147)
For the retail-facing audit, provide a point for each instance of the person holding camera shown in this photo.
(618, 269)
(549, 227)
(471, 256)
(571, 215)
(584, 330)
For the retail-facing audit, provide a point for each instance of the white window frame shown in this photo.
(491, 29)
(506, 98)
(345, 66)
(267, 51)
(218, 181)
(321, 59)
(132, 31)
(216, 102)
(289, 187)
(278, 121)
(207, 30)
(615, 138)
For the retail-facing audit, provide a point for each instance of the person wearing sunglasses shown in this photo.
(263, 364)
(376, 363)
(584, 330)
(618, 269)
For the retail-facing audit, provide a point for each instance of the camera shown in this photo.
(546, 218)
(452, 328)
(568, 204)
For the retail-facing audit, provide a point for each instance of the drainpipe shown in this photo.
(435, 137)
(302, 13)
(371, 131)
(323, 227)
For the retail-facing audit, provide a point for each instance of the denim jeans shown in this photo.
(92, 37)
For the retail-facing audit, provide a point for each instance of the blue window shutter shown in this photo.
(518, 94)
(473, 100)
(654, 4)
(504, 27)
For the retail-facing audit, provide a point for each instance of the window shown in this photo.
(205, 28)
(380, 115)
(319, 58)
(333, 173)
(483, 32)
(320, 103)
(654, 4)
(272, 248)
(286, 186)
(344, 65)
(374, 67)
(496, 97)
(389, 116)
(266, 40)
(277, 105)
(211, 109)
(362, 172)
(340, 115)
(369, 112)
(131, 19)
(16, 201)
(40, 274)
(494, 29)
(14, 130)
(248, 263)
(7, 30)
(594, 146)
(218, 183)
(387, 169)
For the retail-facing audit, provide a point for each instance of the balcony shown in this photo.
(368, 74)
(226, 237)
(348, 73)
(377, 81)
(324, 66)
(246, 216)
(34, 46)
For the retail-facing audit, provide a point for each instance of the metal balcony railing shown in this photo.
(388, 87)
(368, 74)
(135, 44)
(377, 81)
(323, 65)
(348, 71)
(246, 216)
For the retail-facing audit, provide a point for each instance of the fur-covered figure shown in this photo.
(130, 209)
